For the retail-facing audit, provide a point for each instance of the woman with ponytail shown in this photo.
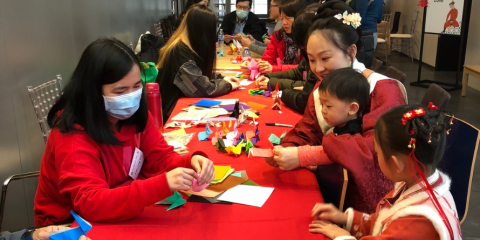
(410, 142)
(331, 44)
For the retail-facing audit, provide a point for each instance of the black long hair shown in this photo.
(393, 137)
(202, 33)
(301, 24)
(105, 61)
(334, 30)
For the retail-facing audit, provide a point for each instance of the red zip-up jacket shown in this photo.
(276, 49)
(92, 179)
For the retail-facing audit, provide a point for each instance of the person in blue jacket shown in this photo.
(371, 12)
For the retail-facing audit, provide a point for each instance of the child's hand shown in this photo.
(328, 229)
(328, 212)
(204, 168)
(287, 158)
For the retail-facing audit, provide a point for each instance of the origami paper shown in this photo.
(256, 91)
(207, 103)
(230, 181)
(243, 116)
(253, 69)
(235, 112)
(204, 135)
(276, 140)
(279, 62)
(276, 103)
(196, 187)
(259, 152)
(214, 141)
(220, 145)
(72, 233)
(256, 106)
(256, 137)
(248, 146)
(175, 200)
(230, 124)
(224, 129)
(269, 90)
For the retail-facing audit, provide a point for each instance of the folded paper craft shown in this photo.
(259, 152)
(269, 91)
(236, 111)
(196, 187)
(253, 69)
(256, 91)
(202, 136)
(175, 200)
(207, 103)
(72, 233)
(276, 140)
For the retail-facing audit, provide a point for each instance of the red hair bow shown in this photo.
(432, 107)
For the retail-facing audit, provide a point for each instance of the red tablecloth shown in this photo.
(285, 215)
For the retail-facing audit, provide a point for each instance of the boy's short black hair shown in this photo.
(249, 2)
(347, 85)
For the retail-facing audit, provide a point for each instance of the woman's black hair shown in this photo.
(393, 137)
(189, 4)
(202, 34)
(349, 86)
(301, 24)
(291, 8)
(105, 61)
(341, 35)
(249, 2)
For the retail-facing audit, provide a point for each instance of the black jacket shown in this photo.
(294, 99)
(253, 26)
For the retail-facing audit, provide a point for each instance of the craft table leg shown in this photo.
(464, 82)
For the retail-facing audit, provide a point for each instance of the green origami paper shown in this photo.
(276, 140)
(175, 200)
(248, 146)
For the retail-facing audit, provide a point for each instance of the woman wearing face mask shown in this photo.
(281, 44)
(330, 46)
(102, 134)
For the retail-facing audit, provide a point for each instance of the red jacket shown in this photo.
(276, 49)
(367, 184)
(92, 179)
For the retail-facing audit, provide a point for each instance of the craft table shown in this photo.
(473, 70)
(225, 63)
(285, 215)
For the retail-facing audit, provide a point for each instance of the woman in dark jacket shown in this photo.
(186, 62)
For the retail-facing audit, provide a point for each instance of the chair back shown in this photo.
(43, 97)
(386, 17)
(382, 30)
(332, 180)
(5, 188)
(459, 161)
(396, 22)
(437, 95)
(376, 64)
(394, 73)
(414, 22)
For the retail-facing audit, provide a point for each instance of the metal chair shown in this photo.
(383, 38)
(5, 187)
(400, 40)
(459, 161)
(332, 180)
(376, 64)
(394, 73)
(43, 98)
(396, 22)
(437, 95)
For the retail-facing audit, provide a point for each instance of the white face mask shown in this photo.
(123, 106)
(242, 14)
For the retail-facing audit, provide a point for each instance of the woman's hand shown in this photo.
(286, 158)
(235, 82)
(245, 41)
(44, 233)
(264, 67)
(328, 229)
(204, 168)
(262, 82)
(244, 67)
(227, 38)
(181, 178)
(266, 41)
(329, 213)
(250, 37)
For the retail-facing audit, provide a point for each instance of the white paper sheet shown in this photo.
(248, 195)
(190, 116)
(227, 101)
(246, 82)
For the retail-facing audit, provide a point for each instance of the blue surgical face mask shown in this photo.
(123, 106)
(242, 14)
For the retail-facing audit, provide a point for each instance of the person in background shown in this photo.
(296, 84)
(186, 62)
(36, 234)
(371, 12)
(259, 47)
(105, 159)
(241, 21)
(421, 205)
(187, 7)
(332, 45)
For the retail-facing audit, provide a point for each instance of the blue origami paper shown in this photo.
(256, 139)
(72, 233)
(202, 136)
(276, 140)
(207, 103)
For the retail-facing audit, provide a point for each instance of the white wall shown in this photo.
(473, 45)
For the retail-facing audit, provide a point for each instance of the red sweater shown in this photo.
(92, 179)
(276, 49)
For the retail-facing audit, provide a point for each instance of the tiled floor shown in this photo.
(466, 108)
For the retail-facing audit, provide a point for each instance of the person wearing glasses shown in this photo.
(259, 47)
(242, 21)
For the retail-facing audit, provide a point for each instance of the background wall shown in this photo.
(473, 45)
(39, 39)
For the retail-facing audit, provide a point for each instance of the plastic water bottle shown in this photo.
(220, 40)
(154, 104)
(246, 54)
